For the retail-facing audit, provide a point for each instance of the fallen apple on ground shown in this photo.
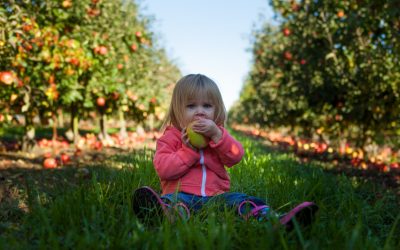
(50, 163)
(64, 158)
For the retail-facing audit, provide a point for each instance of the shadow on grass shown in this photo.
(20, 188)
(25, 184)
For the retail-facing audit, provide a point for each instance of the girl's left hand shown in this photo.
(208, 128)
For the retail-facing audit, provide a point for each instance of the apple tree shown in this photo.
(79, 57)
(328, 67)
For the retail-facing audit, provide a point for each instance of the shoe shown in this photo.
(182, 210)
(149, 207)
(256, 211)
(304, 214)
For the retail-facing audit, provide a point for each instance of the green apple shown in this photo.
(196, 140)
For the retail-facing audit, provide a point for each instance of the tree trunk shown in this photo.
(122, 123)
(28, 140)
(74, 125)
(55, 135)
(60, 118)
(104, 137)
(151, 122)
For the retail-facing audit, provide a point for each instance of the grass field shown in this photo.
(66, 211)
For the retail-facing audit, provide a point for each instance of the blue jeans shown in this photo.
(230, 199)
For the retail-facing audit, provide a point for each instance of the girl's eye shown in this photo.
(190, 106)
(207, 105)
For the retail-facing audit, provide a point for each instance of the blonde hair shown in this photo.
(189, 87)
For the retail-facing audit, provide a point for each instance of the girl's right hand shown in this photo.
(185, 139)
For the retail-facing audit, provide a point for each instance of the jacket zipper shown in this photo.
(203, 180)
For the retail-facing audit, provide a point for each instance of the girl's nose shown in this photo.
(199, 112)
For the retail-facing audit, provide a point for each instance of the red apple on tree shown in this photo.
(103, 50)
(134, 47)
(286, 32)
(6, 77)
(74, 61)
(101, 102)
(115, 95)
(93, 12)
(287, 55)
(27, 27)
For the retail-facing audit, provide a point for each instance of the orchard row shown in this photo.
(77, 57)
(329, 71)
(383, 161)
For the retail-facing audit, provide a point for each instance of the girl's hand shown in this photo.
(208, 128)
(185, 139)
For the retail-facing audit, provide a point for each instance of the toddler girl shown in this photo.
(192, 177)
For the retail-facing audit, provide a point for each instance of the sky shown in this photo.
(211, 37)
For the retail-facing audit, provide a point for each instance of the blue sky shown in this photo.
(210, 37)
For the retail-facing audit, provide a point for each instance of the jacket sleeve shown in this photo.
(229, 150)
(172, 161)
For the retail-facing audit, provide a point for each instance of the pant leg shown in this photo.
(193, 202)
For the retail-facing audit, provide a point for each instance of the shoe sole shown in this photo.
(304, 214)
(147, 205)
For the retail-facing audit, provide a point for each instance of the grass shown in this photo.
(66, 212)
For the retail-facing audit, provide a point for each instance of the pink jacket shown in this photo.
(182, 169)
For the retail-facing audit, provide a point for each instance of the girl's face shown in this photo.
(198, 108)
